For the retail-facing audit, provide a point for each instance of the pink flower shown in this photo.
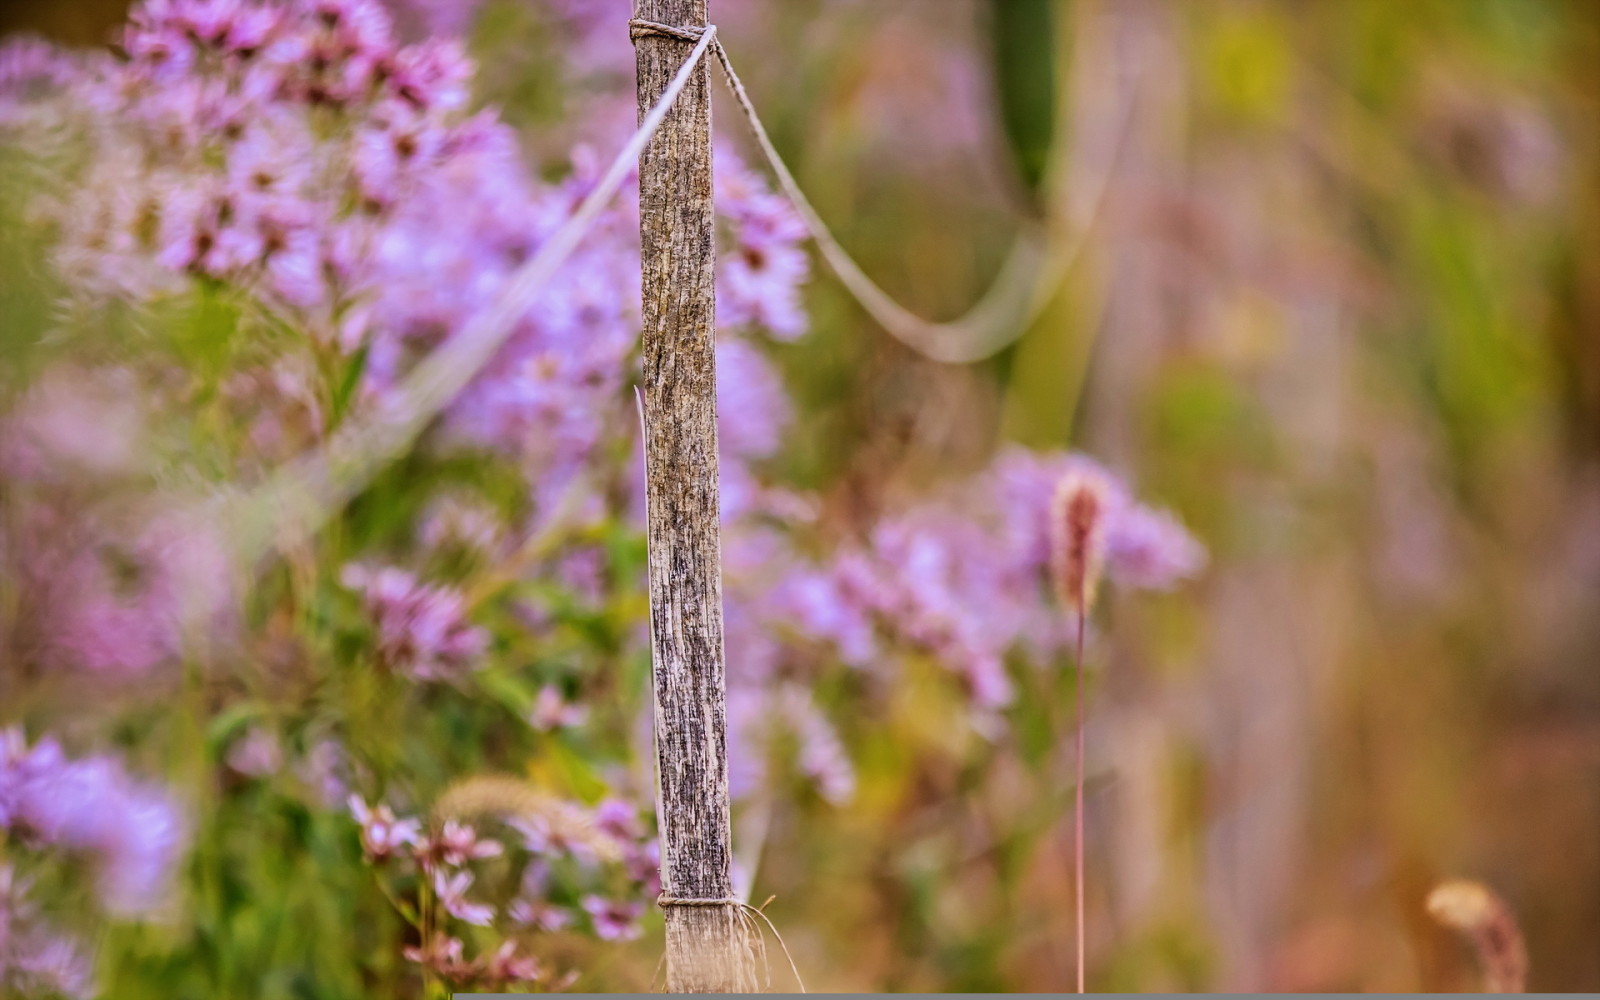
(545, 838)
(422, 630)
(552, 711)
(75, 421)
(619, 820)
(643, 865)
(444, 955)
(614, 920)
(1151, 549)
(455, 845)
(760, 284)
(382, 835)
(452, 889)
(135, 831)
(256, 754)
(508, 966)
(752, 406)
(758, 281)
(538, 914)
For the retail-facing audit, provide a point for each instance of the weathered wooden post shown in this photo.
(706, 949)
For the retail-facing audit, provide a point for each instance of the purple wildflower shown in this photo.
(754, 714)
(532, 908)
(539, 915)
(135, 830)
(546, 837)
(302, 152)
(643, 865)
(747, 727)
(422, 629)
(83, 422)
(964, 576)
(752, 406)
(820, 607)
(758, 281)
(31, 70)
(256, 754)
(280, 406)
(112, 591)
(382, 835)
(438, 17)
(34, 959)
(324, 771)
(552, 711)
(507, 965)
(613, 920)
(456, 844)
(444, 955)
(1150, 549)
(619, 820)
(823, 758)
(1145, 548)
(452, 890)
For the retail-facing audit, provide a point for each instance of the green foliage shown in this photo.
(1027, 80)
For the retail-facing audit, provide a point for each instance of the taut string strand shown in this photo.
(1020, 292)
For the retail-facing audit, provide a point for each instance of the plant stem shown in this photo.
(1077, 799)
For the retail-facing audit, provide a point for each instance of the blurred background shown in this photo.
(1337, 303)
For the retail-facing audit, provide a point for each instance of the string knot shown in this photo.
(640, 28)
(664, 901)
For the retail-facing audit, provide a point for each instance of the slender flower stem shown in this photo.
(1077, 803)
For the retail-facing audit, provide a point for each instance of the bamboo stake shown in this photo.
(706, 950)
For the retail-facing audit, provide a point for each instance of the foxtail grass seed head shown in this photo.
(1484, 919)
(1078, 515)
(538, 815)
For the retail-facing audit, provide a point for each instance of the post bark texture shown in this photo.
(705, 944)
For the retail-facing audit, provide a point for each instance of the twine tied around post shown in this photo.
(639, 28)
(665, 900)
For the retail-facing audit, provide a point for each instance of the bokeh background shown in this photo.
(1338, 304)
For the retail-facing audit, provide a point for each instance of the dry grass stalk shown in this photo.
(1484, 919)
(1077, 556)
(508, 797)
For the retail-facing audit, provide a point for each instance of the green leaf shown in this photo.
(229, 722)
(509, 689)
(346, 388)
(1023, 37)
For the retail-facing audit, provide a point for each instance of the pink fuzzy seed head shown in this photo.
(1078, 515)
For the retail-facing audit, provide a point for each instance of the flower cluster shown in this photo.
(35, 959)
(422, 631)
(967, 576)
(759, 282)
(296, 160)
(964, 577)
(110, 587)
(132, 833)
(567, 856)
(298, 151)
